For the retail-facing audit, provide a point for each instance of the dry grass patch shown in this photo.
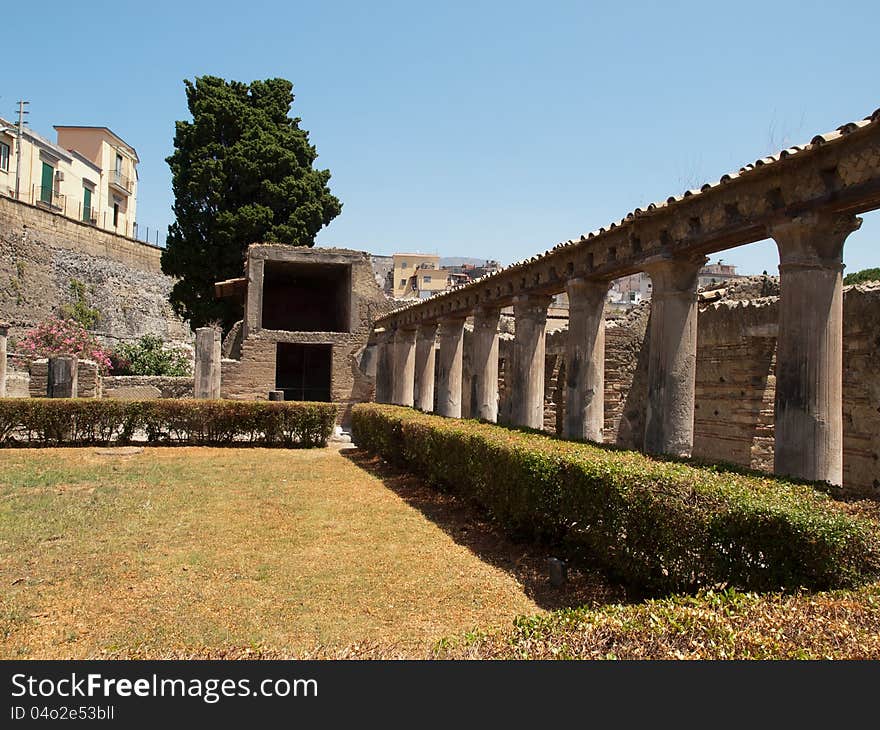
(213, 552)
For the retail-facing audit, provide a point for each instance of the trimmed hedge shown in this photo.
(85, 421)
(656, 526)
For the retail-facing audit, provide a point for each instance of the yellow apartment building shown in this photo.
(417, 275)
(89, 175)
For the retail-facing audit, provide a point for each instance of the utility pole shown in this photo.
(21, 115)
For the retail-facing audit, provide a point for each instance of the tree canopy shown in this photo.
(241, 173)
(858, 277)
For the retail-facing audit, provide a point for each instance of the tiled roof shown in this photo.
(817, 141)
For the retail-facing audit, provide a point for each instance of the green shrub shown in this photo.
(654, 525)
(150, 356)
(84, 421)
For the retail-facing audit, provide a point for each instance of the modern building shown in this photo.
(631, 290)
(417, 276)
(89, 175)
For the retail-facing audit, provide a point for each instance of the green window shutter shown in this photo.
(87, 204)
(48, 178)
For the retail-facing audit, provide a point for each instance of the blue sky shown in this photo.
(490, 129)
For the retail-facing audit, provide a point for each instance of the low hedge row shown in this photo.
(654, 525)
(82, 421)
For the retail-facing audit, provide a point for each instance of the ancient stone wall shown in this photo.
(88, 380)
(141, 387)
(251, 375)
(41, 253)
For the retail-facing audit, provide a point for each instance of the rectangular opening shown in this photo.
(303, 371)
(301, 297)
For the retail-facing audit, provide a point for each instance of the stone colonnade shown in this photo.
(809, 427)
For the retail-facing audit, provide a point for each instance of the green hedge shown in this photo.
(83, 421)
(654, 525)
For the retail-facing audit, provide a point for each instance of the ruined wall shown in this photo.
(41, 252)
(87, 379)
(252, 376)
(861, 388)
(735, 382)
(143, 387)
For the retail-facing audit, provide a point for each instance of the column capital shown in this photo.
(531, 305)
(486, 317)
(427, 329)
(405, 334)
(671, 275)
(813, 240)
(584, 292)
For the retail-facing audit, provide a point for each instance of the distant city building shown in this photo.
(629, 291)
(89, 175)
(419, 276)
(416, 275)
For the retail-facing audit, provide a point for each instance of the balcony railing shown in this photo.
(123, 182)
(47, 197)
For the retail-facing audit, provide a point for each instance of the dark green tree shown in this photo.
(241, 173)
(858, 277)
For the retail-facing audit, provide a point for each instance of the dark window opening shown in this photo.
(306, 297)
(303, 371)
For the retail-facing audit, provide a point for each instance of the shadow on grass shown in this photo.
(463, 522)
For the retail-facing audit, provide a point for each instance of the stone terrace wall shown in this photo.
(41, 252)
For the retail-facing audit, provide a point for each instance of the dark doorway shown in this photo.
(306, 297)
(303, 371)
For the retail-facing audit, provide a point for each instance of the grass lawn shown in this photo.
(201, 552)
(188, 552)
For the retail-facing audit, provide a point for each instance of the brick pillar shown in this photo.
(426, 340)
(485, 363)
(404, 366)
(62, 380)
(4, 333)
(384, 367)
(207, 367)
(672, 363)
(449, 367)
(809, 349)
(585, 360)
(527, 382)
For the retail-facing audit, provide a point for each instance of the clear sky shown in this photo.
(488, 129)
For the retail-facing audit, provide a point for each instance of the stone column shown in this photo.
(404, 366)
(207, 366)
(384, 367)
(672, 363)
(527, 381)
(485, 363)
(585, 359)
(61, 376)
(449, 367)
(424, 369)
(4, 333)
(809, 349)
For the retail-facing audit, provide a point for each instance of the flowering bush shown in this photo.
(56, 336)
